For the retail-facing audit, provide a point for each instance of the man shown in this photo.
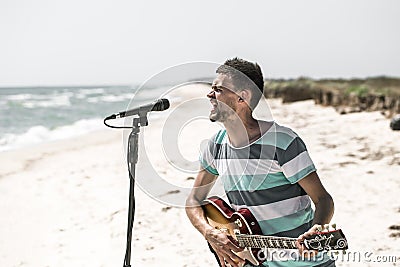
(264, 167)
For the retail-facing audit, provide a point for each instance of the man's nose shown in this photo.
(211, 94)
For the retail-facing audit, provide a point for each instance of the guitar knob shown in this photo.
(319, 228)
(326, 226)
(334, 226)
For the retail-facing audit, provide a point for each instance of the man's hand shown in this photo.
(224, 247)
(300, 242)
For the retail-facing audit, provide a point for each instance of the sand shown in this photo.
(64, 203)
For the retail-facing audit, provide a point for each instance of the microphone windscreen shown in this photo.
(161, 104)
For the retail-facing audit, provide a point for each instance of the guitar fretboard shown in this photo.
(260, 241)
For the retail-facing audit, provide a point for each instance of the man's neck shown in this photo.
(243, 131)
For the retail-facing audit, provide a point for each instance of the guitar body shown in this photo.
(220, 215)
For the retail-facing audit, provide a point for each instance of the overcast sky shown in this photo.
(83, 42)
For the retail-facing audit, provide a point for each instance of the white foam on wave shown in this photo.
(55, 101)
(44, 101)
(110, 98)
(39, 134)
(91, 91)
(84, 93)
(19, 97)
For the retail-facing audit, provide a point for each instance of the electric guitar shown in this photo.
(243, 227)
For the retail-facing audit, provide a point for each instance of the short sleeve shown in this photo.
(206, 157)
(295, 161)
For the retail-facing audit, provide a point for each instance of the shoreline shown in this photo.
(35, 152)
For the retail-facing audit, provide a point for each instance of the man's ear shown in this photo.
(244, 96)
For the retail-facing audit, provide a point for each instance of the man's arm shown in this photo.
(202, 186)
(218, 240)
(323, 202)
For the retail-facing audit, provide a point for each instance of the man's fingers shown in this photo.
(234, 248)
(227, 256)
(232, 262)
(299, 245)
(300, 238)
(300, 242)
(313, 230)
(225, 248)
(233, 256)
(305, 252)
(221, 260)
(315, 227)
(233, 240)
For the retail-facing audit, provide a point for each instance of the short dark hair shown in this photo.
(245, 75)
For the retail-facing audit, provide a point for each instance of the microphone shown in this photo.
(157, 105)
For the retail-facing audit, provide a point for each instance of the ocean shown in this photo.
(33, 115)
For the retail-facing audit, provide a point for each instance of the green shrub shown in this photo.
(357, 90)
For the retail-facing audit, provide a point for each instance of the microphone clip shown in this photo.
(143, 118)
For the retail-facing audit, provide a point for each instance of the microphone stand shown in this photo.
(132, 159)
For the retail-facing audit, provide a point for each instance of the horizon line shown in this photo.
(138, 84)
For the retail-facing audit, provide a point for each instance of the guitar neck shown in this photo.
(260, 241)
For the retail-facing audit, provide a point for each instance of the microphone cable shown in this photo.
(112, 126)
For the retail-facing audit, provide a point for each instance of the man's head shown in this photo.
(245, 75)
(239, 85)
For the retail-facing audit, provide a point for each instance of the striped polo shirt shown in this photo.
(263, 177)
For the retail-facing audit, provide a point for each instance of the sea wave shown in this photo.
(19, 97)
(56, 101)
(39, 134)
(40, 100)
(46, 114)
(110, 98)
(92, 91)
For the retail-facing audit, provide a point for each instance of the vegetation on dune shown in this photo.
(346, 95)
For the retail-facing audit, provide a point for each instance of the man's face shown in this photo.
(223, 99)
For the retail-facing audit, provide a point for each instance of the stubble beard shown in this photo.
(215, 115)
(219, 115)
(222, 112)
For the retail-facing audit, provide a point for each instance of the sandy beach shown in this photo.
(64, 203)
